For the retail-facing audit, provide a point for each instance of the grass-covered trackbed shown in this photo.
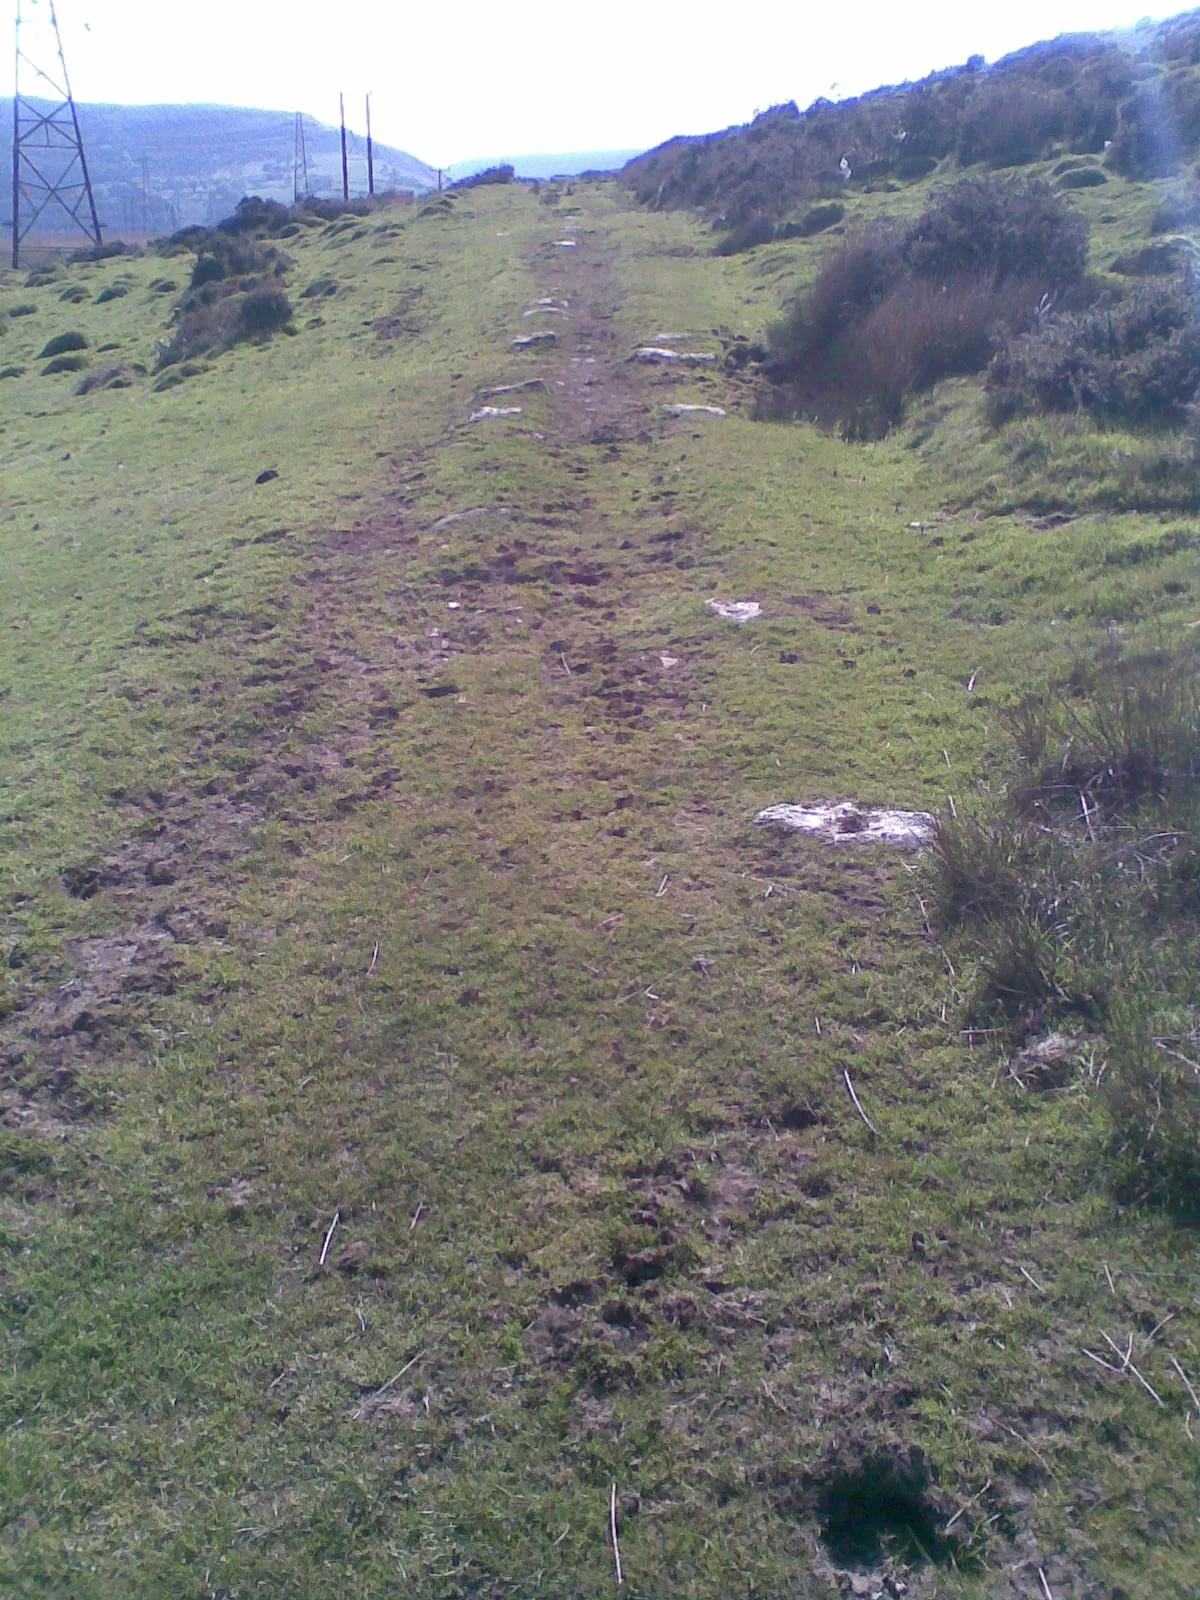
(425, 1091)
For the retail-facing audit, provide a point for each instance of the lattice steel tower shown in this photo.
(49, 164)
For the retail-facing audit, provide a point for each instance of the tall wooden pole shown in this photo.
(303, 153)
(345, 162)
(370, 153)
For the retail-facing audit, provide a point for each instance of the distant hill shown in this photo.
(566, 164)
(1129, 99)
(156, 168)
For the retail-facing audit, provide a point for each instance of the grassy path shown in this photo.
(412, 886)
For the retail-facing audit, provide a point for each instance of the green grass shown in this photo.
(613, 1216)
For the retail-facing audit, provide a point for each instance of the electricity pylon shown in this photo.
(49, 164)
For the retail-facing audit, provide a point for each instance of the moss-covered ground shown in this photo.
(424, 1087)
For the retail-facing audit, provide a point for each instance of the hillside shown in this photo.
(158, 168)
(589, 983)
(1132, 97)
(567, 163)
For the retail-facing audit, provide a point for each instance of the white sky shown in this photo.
(456, 81)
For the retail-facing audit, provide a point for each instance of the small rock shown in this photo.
(485, 412)
(530, 339)
(736, 610)
(514, 388)
(1047, 1063)
(267, 476)
(692, 411)
(659, 355)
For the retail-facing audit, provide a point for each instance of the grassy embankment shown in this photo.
(503, 976)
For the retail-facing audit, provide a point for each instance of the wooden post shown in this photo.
(370, 153)
(345, 163)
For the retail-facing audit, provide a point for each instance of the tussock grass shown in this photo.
(1078, 894)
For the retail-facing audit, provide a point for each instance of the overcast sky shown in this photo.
(455, 81)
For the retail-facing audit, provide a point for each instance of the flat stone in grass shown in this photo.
(486, 412)
(1048, 1063)
(736, 610)
(658, 355)
(694, 411)
(528, 341)
(513, 388)
(473, 514)
(849, 823)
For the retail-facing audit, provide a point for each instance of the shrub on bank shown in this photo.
(62, 344)
(1136, 362)
(990, 228)
(891, 312)
(263, 312)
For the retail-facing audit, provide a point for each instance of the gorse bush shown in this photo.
(262, 312)
(1077, 892)
(220, 256)
(235, 291)
(490, 175)
(1137, 362)
(62, 344)
(257, 216)
(891, 312)
(999, 230)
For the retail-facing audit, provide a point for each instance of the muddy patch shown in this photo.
(823, 609)
(878, 1503)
